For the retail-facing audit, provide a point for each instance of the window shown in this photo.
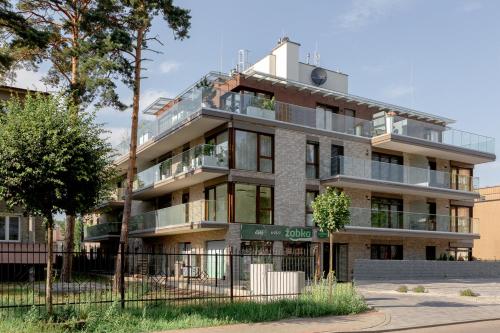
(386, 252)
(220, 141)
(387, 167)
(387, 213)
(216, 203)
(253, 151)
(326, 117)
(253, 204)
(461, 179)
(337, 160)
(312, 160)
(349, 121)
(430, 253)
(460, 219)
(310, 196)
(10, 228)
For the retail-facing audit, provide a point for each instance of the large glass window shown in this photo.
(216, 203)
(265, 205)
(253, 204)
(253, 151)
(387, 167)
(326, 117)
(461, 179)
(460, 219)
(310, 196)
(386, 252)
(387, 213)
(10, 228)
(312, 160)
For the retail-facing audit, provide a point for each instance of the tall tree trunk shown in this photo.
(330, 273)
(131, 171)
(70, 217)
(69, 244)
(48, 281)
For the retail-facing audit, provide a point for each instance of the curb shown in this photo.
(424, 326)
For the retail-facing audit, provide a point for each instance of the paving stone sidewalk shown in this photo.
(365, 321)
(441, 304)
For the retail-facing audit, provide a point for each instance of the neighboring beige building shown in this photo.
(487, 210)
(236, 160)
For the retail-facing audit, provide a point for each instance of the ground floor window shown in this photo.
(10, 228)
(254, 252)
(386, 252)
(460, 253)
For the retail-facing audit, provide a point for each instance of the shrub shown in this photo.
(468, 292)
(418, 289)
(402, 289)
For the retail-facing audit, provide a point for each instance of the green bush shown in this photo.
(402, 289)
(418, 289)
(468, 292)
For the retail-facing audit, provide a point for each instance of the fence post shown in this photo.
(122, 275)
(231, 269)
(216, 270)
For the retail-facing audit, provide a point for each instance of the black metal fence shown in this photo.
(154, 276)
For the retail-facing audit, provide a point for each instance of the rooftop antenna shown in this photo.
(412, 87)
(220, 51)
(242, 60)
(308, 58)
(316, 56)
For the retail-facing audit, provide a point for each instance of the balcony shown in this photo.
(373, 221)
(205, 108)
(218, 106)
(114, 199)
(191, 167)
(189, 217)
(102, 231)
(394, 178)
(427, 139)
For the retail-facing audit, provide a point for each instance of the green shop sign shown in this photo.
(275, 232)
(322, 234)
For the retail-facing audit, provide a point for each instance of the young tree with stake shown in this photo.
(331, 213)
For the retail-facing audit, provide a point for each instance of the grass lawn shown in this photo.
(164, 317)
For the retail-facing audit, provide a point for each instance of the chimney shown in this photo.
(287, 59)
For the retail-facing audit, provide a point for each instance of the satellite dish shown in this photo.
(318, 76)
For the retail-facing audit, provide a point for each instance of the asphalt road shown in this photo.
(480, 327)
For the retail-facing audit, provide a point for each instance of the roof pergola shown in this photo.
(402, 111)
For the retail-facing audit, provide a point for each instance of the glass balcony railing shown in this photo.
(195, 211)
(102, 229)
(205, 155)
(433, 132)
(197, 98)
(366, 217)
(246, 104)
(368, 169)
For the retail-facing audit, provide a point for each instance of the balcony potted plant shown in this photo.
(207, 92)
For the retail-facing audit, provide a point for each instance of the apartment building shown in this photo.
(18, 232)
(485, 209)
(236, 160)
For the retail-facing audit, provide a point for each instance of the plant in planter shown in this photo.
(268, 104)
(207, 91)
(166, 168)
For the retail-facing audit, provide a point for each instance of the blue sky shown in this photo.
(441, 57)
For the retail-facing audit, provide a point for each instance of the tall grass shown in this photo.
(313, 303)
